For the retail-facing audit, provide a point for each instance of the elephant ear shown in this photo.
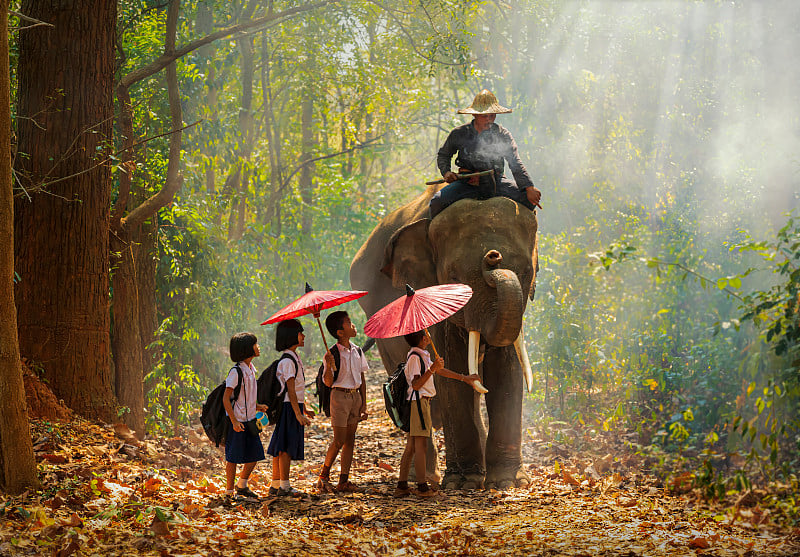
(408, 257)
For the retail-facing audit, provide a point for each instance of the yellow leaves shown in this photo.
(652, 384)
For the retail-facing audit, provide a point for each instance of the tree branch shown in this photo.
(300, 166)
(168, 57)
(174, 178)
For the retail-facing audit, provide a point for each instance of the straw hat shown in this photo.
(485, 103)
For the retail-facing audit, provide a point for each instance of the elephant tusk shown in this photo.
(472, 359)
(472, 355)
(522, 354)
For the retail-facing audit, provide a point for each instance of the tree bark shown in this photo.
(16, 449)
(65, 113)
(130, 233)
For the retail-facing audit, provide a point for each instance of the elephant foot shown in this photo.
(465, 482)
(501, 479)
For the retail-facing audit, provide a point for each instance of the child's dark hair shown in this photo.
(286, 334)
(335, 322)
(413, 339)
(242, 346)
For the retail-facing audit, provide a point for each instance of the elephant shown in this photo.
(492, 246)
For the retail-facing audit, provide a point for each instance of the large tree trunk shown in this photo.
(62, 228)
(130, 232)
(16, 449)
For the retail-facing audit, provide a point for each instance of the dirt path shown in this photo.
(105, 494)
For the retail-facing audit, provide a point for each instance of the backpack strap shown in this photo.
(337, 362)
(238, 388)
(285, 356)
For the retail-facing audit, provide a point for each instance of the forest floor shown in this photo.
(106, 493)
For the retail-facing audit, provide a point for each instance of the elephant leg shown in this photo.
(503, 377)
(464, 430)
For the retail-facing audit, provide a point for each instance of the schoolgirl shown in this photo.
(287, 441)
(241, 446)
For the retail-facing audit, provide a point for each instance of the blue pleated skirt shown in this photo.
(288, 435)
(241, 447)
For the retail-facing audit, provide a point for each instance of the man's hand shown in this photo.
(236, 425)
(450, 177)
(362, 413)
(534, 196)
(437, 364)
(329, 359)
(262, 407)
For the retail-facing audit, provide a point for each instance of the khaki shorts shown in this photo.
(345, 408)
(416, 429)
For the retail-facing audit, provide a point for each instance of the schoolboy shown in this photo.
(348, 400)
(419, 374)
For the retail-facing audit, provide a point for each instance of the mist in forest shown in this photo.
(667, 126)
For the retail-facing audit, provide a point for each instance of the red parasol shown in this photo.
(418, 310)
(313, 302)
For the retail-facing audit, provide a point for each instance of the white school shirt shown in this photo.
(413, 370)
(352, 363)
(285, 372)
(244, 408)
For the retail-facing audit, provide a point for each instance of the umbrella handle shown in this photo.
(316, 315)
(435, 353)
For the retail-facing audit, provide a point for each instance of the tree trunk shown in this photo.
(246, 125)
(307, 173)
(62, 227)
(273, 133)
(130, 233)
(16, 449)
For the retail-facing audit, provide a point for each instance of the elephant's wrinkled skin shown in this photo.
(491, 246)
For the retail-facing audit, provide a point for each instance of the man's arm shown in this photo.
(521, 175)
(444, 157)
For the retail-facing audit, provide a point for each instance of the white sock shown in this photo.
(276, 484)
(286, 485)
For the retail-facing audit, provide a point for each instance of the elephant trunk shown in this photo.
(509, 308)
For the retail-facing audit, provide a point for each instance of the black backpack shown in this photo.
(270, 391)
(323, 391)
(394, 396)
(213, 416)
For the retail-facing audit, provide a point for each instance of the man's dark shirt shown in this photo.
(483, 151)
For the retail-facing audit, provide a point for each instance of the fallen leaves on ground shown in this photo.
(107, 493)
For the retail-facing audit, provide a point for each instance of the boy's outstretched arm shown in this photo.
(474, 380)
